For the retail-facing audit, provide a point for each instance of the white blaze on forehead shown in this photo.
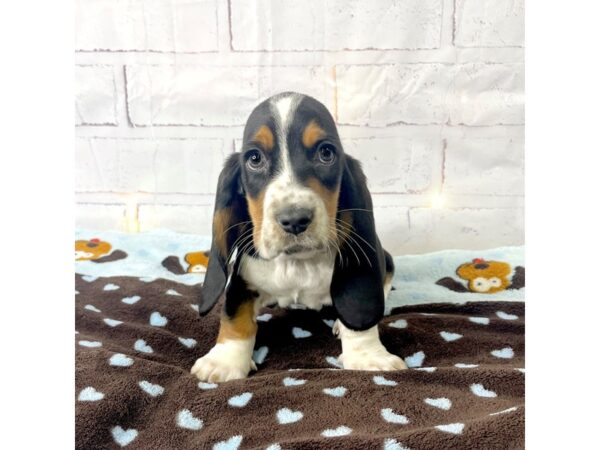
(284, 108)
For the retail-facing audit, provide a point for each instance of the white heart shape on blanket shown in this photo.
(157, 319)
(336, 432)
(454, 428)
(112, 322)
(393, 444)
(273, 447)
(415, 360)
(260, 354)
(465, 366)
(506, 316)
(289, 381)
(299, 333)
(205, 386)
(480, 391)
(504, 411)
(89, 394)
(90, 344)
(339, 391)
(520, 369)
(131, 300)
(400, 323)
(188, 342)
(172, 292)
(480, 320)
(195, 308)
(89, 278)
(426, 369)
(120, 360)
(383, 381)
(91, 308)
(441, 403)
(123, 437)
(285, 416)
(232, 443)
(141, 346)
(239, 401)
(153, 390)
(334, 362)
(329, 322)
(185, 419)
(390, 416)
(264, 317)
(110, 287)
(450, 337)
(504, 353)
(147, 279)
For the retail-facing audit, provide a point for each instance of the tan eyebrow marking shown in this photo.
(264, 137)
(312, 134)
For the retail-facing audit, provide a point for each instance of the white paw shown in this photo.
(230, 360)
(372, 360)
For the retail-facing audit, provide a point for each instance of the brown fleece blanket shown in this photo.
(137, 340)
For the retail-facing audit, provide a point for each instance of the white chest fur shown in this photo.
(295, 283)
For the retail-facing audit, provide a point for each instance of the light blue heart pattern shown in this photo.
(91, 308)
(123, 437)
(450, 337)
(339, 391)
(112, 322)
(400, 323)
(334, 362)
(390, 416)
(188, 342)
(141, 346)
(289, 381)
(157, 319)
(120, 360)
(336, 432)
(233, 443)
(153, 390)
(206, 386)
(89, 394)
(503, 353)
(415, 360)
(286, 415)
(440, 403)
(453, 428)
(111, 287)
(260, 354)
(90, 344)
(239, 401)
(185, 419)
(299, 333)
(383, 381)
(131, 300)
(393, 444)
(481, 391)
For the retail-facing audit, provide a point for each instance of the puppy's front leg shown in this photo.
(231, 357)
(362, 350)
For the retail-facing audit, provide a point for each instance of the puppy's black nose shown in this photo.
(295, 220)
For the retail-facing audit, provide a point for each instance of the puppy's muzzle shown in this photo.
(295, 220)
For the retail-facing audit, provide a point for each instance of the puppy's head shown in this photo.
(291, 166)
(291, 192)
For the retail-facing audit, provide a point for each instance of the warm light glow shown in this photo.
(437, 201)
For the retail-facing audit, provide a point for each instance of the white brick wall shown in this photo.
(428, 94)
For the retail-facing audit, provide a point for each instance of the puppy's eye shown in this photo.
(326, 154)
(255, 160)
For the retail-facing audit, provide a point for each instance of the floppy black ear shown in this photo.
(230, 218)
(357, 285)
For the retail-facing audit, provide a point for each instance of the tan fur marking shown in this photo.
(264, 137)
(330, 199)
(255, 209)
(312, 134)
(221, 222)
(241, 326)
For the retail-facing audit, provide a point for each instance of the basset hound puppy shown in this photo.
(293, 225)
